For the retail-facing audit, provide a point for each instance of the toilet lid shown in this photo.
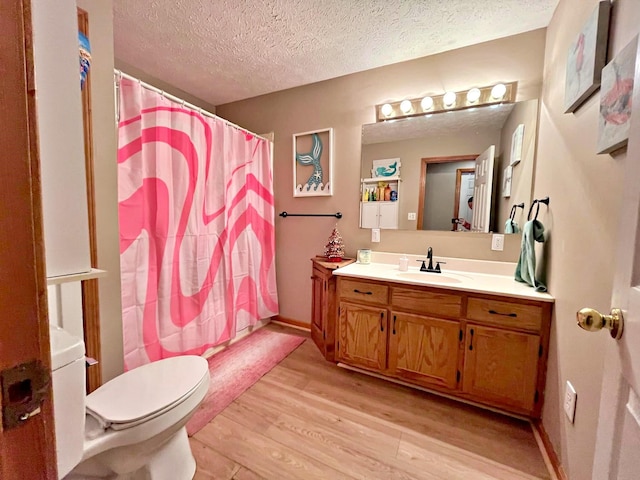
(146, 390)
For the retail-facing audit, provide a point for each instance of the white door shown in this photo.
(618, 435)
(483, 191)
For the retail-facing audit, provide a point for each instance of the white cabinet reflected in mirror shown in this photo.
(441, 186)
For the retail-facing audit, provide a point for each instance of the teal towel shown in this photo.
(511, 227)
(533, 231)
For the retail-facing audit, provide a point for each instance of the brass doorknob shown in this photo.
(592, 320)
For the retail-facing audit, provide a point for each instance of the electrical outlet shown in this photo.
(570, 397)
(497, 242)
(375, 235)
(411, 216)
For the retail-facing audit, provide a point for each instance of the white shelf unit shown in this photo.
(379, 214)
(77, 277)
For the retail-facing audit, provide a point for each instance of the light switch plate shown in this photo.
(375, 235)
(411, 216)
(570, 397)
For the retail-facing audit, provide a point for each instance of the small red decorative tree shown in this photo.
(334, 250)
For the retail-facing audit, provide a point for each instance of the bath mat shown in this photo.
(239, 366)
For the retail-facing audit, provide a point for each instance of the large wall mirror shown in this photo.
(438, 168)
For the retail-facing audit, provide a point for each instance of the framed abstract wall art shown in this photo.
(586, 58)
(507, 175)
(516, 145)
(313, 163)
(615, 100)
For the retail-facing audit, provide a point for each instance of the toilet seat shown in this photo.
(146, 392)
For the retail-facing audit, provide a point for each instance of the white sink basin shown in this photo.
(433, 277)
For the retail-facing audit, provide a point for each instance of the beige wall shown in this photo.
(162, 85)
(525, 113)
(345, 104)
(585, 198)
(106, 182)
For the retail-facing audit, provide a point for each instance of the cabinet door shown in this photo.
(388, 215)
(362, 336)
(501, 366)
(318, 295)
(424, 350)
(369, 214)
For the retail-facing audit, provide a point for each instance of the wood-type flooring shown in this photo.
(310, 419)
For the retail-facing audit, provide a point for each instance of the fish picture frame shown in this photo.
(313, 163)
(386, 168)
(615, 99)
(586, 57)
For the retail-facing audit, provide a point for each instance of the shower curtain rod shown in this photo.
(120, 74)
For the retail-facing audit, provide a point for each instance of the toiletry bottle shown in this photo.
(387, 193)
(403, 263)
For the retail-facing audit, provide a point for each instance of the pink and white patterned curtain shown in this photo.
(197, 241)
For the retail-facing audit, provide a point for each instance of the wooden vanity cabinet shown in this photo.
(424, 350)
(323, 304)
(362, 336)
(500, 366)
(505, 352)
(488, 349)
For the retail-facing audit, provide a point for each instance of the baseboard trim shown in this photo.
(239, 336)
(548, 453)
(290, 322)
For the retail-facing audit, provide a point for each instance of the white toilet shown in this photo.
(132, 427)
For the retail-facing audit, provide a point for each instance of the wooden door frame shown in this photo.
(424, 162)
(90, 296)
(27, 450)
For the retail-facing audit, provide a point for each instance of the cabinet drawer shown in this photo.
(505, 314)
(363, 291)
(426, 302)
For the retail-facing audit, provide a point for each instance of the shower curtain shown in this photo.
(196, 214)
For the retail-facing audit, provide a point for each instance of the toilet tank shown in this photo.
(68, 381)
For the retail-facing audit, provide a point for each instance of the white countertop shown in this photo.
(458, 274)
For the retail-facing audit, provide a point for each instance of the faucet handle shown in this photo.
(423, 267)
(438, 266)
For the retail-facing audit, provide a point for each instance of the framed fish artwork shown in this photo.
(386, 168)
(615, 99)
(586, 57)
(313, 163)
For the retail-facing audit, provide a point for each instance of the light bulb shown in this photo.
(449, 98)
(406, 107)
(426, 103)
(498, 91)
(473, 95)
(386, 109)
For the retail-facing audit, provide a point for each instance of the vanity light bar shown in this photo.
(474, 97)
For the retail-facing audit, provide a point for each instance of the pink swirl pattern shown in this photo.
(197, 239)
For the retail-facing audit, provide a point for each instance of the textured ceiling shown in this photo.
(227, 50)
